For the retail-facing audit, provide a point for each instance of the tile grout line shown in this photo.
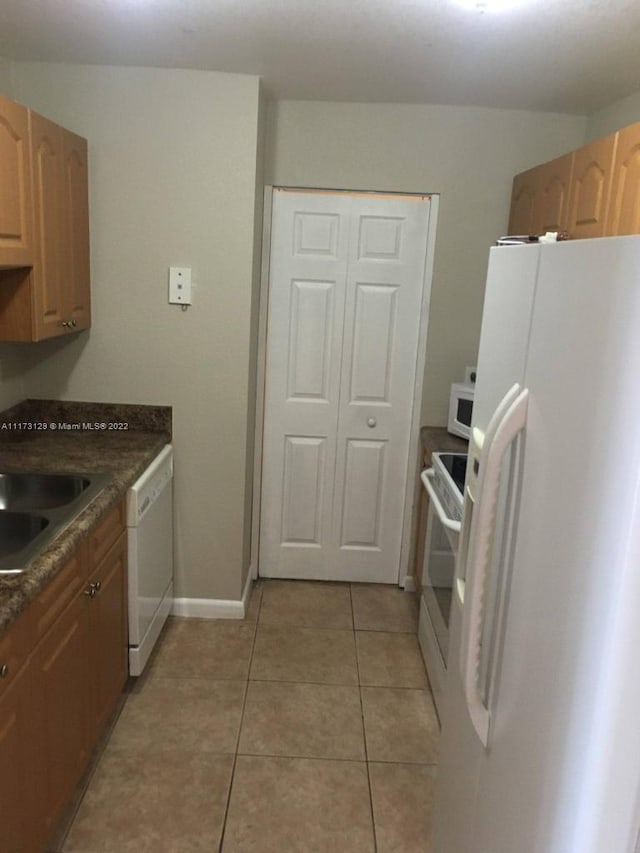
(364, 731)
(244, 704)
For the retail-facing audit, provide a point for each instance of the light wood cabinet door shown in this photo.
(75, 192)
(46, 293)
(553, 182)
(108, 635)
(590, 188)
(523, 202)
(48, 275)
(624, 206)
(60, 674)
(16, 243)
(17, 769)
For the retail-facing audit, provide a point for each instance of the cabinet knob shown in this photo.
(73, 323)
(64, 323)
(91, 591)
(97, 586)
(4, 671)
(371, 422)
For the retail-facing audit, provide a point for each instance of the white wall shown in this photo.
(172, 182)
(468, 155)
(613, 117)
(5, 77)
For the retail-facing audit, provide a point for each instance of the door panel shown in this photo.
(304, 478)
(346, 280)
(362, 499)
(311, 328)
(375, 325)
(302, 384)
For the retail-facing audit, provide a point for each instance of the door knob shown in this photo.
(371, 422)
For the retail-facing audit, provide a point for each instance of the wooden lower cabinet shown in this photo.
(17, 826)
(59, 673)
(108, 636)
(53, 713)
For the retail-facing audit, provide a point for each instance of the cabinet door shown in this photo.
(523, 200)
(590, 188)
(17, 769)
(553, 181)
(60, 674)
(16, 247)
(624, 208)
(109, 626)
(48, 276)
(76, 206)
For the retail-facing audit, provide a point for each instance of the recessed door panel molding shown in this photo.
(12, 212)
(15, 184)
(362, 494)
(589, 195)
(311, 334)
(590, 188)
(346, 278)
(375, 320)
(624, 210)
(304, 478)
(47, 163)
(380, 238)
(316, 234)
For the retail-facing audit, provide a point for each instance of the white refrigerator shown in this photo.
(541, 723)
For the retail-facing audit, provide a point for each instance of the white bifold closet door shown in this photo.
(346, 280)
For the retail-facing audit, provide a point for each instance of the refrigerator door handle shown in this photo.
(508, 420)
(451, 524)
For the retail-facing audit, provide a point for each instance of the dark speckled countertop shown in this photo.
(438, 439)
(123, 453)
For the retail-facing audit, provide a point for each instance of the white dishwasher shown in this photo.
(150, 551)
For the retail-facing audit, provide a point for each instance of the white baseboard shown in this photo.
(208, 608)
(214, 608)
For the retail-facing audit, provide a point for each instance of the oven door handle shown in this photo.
(451, 524)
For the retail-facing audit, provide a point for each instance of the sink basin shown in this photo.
(19, 529)
(35, 508)
(20, 492)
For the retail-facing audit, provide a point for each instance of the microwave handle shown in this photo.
(451, 524)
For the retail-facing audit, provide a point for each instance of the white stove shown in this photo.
(444, 483)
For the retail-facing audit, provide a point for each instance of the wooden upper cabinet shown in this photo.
(76, 224)
(16, 248)
(552, 200)
(624, 206)
(52, 298)
(47, 158)
(590, 188)
(523, 200)
(540, 198)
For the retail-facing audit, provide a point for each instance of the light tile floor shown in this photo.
(309, 726)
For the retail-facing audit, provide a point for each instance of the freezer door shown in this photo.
(506, 319)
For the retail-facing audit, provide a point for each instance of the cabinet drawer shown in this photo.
(105, 534)
(62, 589)
(15, 646)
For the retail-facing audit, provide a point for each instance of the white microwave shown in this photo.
(461, 409)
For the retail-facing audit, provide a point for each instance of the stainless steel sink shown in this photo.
(35, 508)
(19, 529)
(29, 492)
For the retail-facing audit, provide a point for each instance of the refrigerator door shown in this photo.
(501, 363)
(506, 318)
(560, 775)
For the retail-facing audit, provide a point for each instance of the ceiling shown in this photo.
(571, 56)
